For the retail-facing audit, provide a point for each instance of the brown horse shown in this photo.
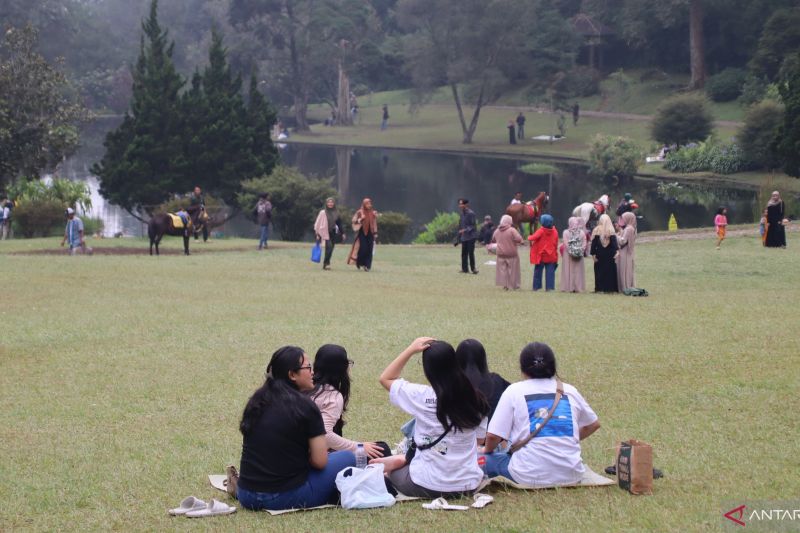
(161, 224)
(528, 212)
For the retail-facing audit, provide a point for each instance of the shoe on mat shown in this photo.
(189, 503)
(213, 508)
(440, 504)
(481, 501)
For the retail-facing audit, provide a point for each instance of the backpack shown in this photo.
(574, 244)
(634, 291)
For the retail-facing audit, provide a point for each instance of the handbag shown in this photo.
(316, 253)
(363, 488)
(412, 449)
(559, 393)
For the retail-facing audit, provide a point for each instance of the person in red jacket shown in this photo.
(544, 254)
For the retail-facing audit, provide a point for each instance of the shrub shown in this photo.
(681, 120)
(707, 156)
(392, 226)
(579, 81)
(442, 229)
(93, 226)
(296, 199)
(40, 217)
(727, 85)
(759, 132)
(753, 90)
(613, 156)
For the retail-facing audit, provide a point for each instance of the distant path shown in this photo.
(703, 233)
(608, 114)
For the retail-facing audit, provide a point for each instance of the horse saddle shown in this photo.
(180, 221)
(531, 209)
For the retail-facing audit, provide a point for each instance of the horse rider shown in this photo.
(199, 199)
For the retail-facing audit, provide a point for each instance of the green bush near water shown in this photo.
(442, 229)
(611, 156)
(707, 156)
(392, 226)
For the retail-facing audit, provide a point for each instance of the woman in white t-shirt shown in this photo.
(553, 456)
(450, 418)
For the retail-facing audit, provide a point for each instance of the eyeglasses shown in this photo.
(304, 368)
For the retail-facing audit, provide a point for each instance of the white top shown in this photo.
(553, 457)
(515, 201)
(451, 465)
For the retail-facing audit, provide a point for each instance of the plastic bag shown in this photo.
(316, 253)
(363, 488)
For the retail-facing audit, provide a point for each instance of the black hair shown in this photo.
(277, 389)
(721, 209)
(263, 195)
(330, 368)
(457, 401)
(463, 201)
(537, 361)
(471, 356)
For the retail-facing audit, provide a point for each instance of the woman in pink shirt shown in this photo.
(721, 222)
(508, 239)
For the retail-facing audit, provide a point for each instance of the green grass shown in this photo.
(124, 377)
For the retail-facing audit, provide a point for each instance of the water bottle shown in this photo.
(361, 456)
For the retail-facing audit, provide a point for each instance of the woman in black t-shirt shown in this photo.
(285, 462)
(471, 356)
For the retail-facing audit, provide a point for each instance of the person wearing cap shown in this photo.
(73, 233)
(467, 235)
(626, 205)
(198, 198)
(486, 231)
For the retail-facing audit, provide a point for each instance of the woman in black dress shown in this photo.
(605, 250)
(776, 233)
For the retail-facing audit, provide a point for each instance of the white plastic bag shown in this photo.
(363, 488)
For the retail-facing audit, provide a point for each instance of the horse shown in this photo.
(162, 224)
(591, 211)
(528, 212)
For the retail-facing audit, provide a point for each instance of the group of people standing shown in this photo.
(464, 416)
(612, 251)
(328, 229)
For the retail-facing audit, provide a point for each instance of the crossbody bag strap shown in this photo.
(437, 441)
(559, 392)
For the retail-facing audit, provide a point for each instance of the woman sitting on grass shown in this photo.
(449, 415)
(471, 357)
(285, 462)
(331, 393)
(553, 455)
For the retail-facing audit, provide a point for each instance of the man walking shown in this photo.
(263, 217)
(198, 198)
(467, 234)
(385, 118)
(520, 126)
(73, 233)
(5, 218)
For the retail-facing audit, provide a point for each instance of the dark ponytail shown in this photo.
(277, 389)
(537, 361)
(331, 368)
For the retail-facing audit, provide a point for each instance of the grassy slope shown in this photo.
(124, 377)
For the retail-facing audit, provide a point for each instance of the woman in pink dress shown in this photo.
(573, 278)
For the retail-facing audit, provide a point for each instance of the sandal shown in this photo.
(189, 503)
(232, 480)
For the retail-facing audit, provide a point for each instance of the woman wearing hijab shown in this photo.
(508, 239)
(776, 233)
(572, 266)
(544, 254)
(365, 224)
(328, 228)
(626, 273)
(605, 250)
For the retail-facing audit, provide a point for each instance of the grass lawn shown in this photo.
(124, 377)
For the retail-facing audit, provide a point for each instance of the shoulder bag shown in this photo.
(412, 449)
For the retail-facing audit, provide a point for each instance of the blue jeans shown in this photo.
(262, 242)
(549, 276)
(497, 465)
(319, 488)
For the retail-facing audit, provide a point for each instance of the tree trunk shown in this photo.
(298, 74)
(300, 110)
(697, 52)
(343, 116)
(457, 99)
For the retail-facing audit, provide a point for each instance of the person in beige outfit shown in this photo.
(508, 239)
(573, 276)
(626, 275)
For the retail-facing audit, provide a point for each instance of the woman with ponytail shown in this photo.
(552, 456)
(450, 418)
(285, 462)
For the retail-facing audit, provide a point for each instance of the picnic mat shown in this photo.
(218, 482)
(590, 479)
(547, 138)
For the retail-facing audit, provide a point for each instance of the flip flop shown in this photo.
(189, 503)
(481, 501)
(214, 508)
(440, 504)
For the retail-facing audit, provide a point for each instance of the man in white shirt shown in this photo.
(517, 198)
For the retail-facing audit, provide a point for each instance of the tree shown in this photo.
(780, 36)
(39, 118)
(757, 135)
(611, 156)
(144, 161)
(682, 119)
(788, 141)
(466, 45)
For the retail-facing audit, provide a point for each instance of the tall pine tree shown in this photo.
(144, 161)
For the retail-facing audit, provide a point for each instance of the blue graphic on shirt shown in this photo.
(558, 426)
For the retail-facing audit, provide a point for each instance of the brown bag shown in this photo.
(635, 466)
